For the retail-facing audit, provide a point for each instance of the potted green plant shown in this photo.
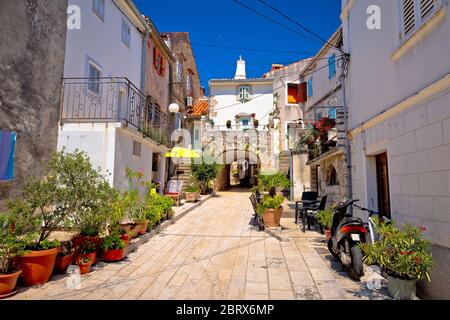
(403, 255)
(270, 209)
(256, 123)
(325, 218)
(204, 173)
(192, 192)
(84, 263)
(64, 258)
(272, 183)
(113, 248)
(89, 250)
(228, 124)
(11, 246)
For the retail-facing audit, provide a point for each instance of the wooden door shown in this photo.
(384, 201)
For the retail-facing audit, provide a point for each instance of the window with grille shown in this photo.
(415, 13)
(243, 94)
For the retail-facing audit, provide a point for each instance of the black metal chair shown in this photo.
(254, 199)
(309, 216)
(308, 198)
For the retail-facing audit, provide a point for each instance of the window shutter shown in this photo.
(155, 52)
(409, 19)
(426, 8)
(331, 66)
(310, 87)
(332, 113)
(302, 92)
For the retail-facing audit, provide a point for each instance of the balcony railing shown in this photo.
(87, 100)
(237, 128)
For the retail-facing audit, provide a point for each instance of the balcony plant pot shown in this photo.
(63, 262)
(142, 227)
(92, 256)
(8, 283)
(191, 196)
(130, 228)
(401, 289)
(113, 255)
(37, 266)
(272, 217)
(85, 267)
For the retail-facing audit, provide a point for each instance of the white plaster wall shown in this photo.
(97, 140)
(225, 95)
(124, 158)
(101, 41)
(376, 82)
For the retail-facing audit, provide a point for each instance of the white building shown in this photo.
(104, 111)
(398, 93)
(239, 113)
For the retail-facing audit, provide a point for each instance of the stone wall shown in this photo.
(32, 46)
(337, 192)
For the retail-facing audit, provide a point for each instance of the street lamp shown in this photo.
(175, 108)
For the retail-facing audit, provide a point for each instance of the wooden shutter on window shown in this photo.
(409, 19)
(302, 92)
(155, 56)
(426, 8)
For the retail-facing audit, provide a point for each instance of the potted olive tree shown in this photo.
(403, 255)
(204, 173)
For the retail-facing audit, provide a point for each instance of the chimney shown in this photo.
(240, 69)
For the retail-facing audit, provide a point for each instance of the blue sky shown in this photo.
(226, 23)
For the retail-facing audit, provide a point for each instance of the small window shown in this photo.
(126, 34)
(189, 86)
(94, 77)
(415, 13)
(293, 94)
(245, 122)
(333, 179)
(137, 148)
(244, 94)
(310, 87)
(99, 9)
(179, 70)
(332, 66)
(332, 113)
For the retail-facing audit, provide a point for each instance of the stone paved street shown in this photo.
(213, 253)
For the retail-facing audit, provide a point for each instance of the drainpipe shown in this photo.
(144, 58)
(347, 142)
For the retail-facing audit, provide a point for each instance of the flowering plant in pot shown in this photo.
(270, 209)
(325, 124)
(84, 263)
(11, 246)
(325, 218)
(403, 255)
(64, 258)
(113, 248)
(192, 191)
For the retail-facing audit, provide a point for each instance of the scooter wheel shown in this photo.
(356, 270)
(330, 248)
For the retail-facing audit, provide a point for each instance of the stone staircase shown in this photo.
(185, 176)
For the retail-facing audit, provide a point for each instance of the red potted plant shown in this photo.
(84, 263)
(64, 258)
(113, 248)
(10, 247)
(88, 249)
(325, 124)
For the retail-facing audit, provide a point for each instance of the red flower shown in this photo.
(423, 229)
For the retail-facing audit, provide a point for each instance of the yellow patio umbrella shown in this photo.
(179, 152)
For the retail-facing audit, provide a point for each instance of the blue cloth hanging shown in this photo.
(7, 146)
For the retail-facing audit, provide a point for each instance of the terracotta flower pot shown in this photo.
(92, 256)
(85, 267)
(328, 234)
(8, 284)
(114, 255)
(131, 228)
(37, 266)
(142, 227)
(62, 263)
(272, 217)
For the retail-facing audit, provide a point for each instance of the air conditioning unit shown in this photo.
(189, 102)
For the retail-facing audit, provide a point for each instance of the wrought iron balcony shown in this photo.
(87, 100)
